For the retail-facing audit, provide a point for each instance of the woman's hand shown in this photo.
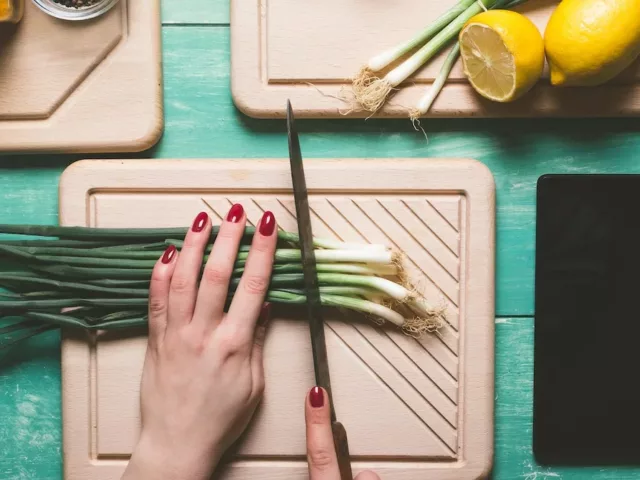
(321, 453)
(203, 374)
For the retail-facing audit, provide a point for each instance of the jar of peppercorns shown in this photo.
(75, 9)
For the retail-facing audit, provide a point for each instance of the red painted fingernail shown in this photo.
(265, 315)
(169, 253)
(235, 214)
(316, 397)
(267, 224)
(200, 222)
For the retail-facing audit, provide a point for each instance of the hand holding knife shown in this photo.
(316, 323)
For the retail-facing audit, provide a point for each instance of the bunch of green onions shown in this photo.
(371, 89)
(98, 279)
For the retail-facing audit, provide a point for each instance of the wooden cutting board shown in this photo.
(306, 51)
(91, 86)
(412, 408)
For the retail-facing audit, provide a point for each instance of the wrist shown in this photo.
(151, 460)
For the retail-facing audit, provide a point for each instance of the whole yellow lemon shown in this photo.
(589, 42)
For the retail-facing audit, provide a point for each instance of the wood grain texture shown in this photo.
(307, 52)
(82, 86)
(202, 122)
(379, 386)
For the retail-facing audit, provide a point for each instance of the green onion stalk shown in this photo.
(425, 103)
(371, 90)
(98, 279)
(367, 74)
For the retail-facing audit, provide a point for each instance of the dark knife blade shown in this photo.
(309, 270)
(314, 309)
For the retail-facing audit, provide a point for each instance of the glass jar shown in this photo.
(88, 10)
(11, 11)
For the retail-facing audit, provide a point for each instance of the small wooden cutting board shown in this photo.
(412, 408)
(307, 51)
(90, 86)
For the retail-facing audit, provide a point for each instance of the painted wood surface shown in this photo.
(202, 122)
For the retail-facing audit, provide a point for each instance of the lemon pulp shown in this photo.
(502, 54)
(488, 64)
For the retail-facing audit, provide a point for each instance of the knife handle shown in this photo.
(342, 450)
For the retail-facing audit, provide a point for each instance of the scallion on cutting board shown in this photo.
(371, 88)
(98, 279)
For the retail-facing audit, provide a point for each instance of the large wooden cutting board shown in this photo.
(412, 408)
(90, 86)
(306, 51)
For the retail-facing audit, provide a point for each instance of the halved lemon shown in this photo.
(502, 53)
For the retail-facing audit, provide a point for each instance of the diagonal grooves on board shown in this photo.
(444, 217)
(430, 228)
(291, 213)
(348, 221)
(406, 380)
(315, 215)
(426, 250)
(325, 223)
(453, 339)
(278, 207)
(447, 347)
(351, 225)
(424, 372)
(210, 207)
(343, 216)
(351, 201)
(451, 328)
(284, 207)
(391, 347)
(448, 297)
(382, 381)
(338, 223)
(396, 245)
(255, 202)
(347, 224)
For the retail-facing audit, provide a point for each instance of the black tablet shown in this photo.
(587, 320)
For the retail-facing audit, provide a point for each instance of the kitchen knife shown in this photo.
(314, 310)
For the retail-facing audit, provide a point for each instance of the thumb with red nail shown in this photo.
(321, 453)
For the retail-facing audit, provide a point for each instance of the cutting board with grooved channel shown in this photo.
(90, 86)
(412, 408)
(307, 51)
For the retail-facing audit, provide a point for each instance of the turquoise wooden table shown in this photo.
(201, 121)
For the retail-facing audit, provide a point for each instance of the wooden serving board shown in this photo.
(91, 86)
(412, 408)
(307, 51)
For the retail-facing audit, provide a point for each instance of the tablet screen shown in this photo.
(587, 320)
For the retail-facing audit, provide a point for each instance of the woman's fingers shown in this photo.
(250, 294)
(159, 295)
(184, 284)
(214, 286)
(321, 453)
